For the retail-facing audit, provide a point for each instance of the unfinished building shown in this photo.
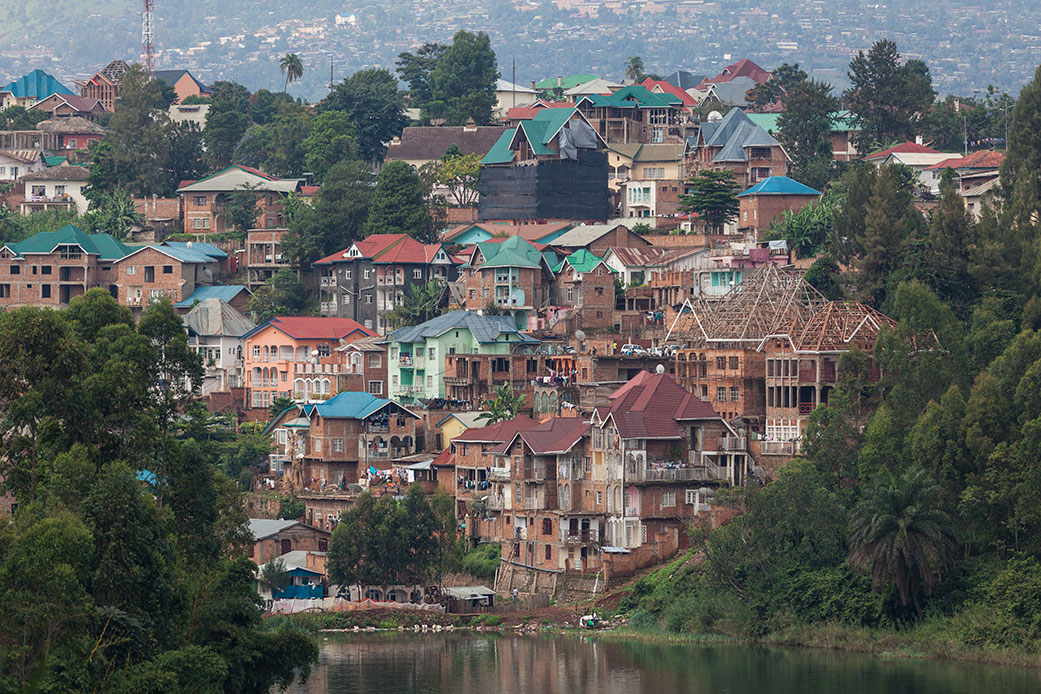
(723, 362)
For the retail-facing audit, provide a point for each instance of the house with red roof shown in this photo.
(205, 200)
(972, 171)
(60, 105)
(663, 87)
(742, 68)
(660, 452)
(916, 156)
(297, 357)
(369, 278)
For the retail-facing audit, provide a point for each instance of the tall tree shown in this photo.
(371, 99)
(463, 79)
(459, 174)
(890, 220)
(241, 209)
(114, 214)
(281, 295)
(885, 98)
(292, 69)
(902, 535)
(713, 195)
(336, 218)
(331, 138)
(777, 88)
(806, 123)
(415, 68)
(399, 204)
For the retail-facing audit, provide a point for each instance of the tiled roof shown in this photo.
(582, 261)
(222, 292)
(649, 405)
(27, 156)
(65, 172)
(583, 235)
(80, 103)
(388, 248)
(36, 85)
(905, 148)
(597, 86)
(498, 432)
(483, 328)
(779, 185)
(214, 317)
(235, 177)
(170, 77)
(650, 256)
(306, 328)
(350, 405)
(101, 245)
(430, 142)
(742, 68)
(983, 159)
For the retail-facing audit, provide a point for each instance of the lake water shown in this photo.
(394, 663)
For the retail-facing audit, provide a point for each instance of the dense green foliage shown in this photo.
(420, 303)
(122, 567)
(712, 194)
(282, 295)
(453, 83)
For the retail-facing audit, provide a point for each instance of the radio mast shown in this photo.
(148, 37)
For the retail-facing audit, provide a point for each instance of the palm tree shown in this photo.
(634, 69)
(901, 532)
(420, 303)
(506, 405)
(292, 69)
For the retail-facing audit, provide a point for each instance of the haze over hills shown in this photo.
(968, 44)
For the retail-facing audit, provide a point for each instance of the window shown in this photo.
(417, 273)
(256, 351)
(484, 293)
(721, 363)
(346, 299)
(45, 269)
(368, 298)
(324, 350)
(599, 498)
(281, 436)
(691, 497)
(317, 444)
(5, 291)
(284, 374)
(376, 387)
(721, 394)
(45, 291)
(367, 272)
(430, 381)
(473, 293)
(734, 394)
(168, 269)
(733, 363)
(375, 361)
(199, 201)
(131, 269)
(569, 293)
(547, 527)
(549, 552)
(432, 353)
(668, 499)
(346, 274)
(16, 270)
(338, 445)
(59, 190)
(654, 172)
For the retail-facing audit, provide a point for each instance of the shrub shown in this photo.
(482, 561)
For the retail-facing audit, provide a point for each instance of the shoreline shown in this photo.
(923, 645)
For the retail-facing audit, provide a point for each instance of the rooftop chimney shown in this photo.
(560, 80)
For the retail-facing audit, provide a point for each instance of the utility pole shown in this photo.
(148, 37)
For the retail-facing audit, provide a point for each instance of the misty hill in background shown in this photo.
(965, 46)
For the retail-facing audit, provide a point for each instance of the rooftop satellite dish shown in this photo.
(715, 117)
(659, 369)
(580, 335)
(188, 245)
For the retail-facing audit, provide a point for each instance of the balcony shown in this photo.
(495, 502)
(405, 360)
(499, 474)
(583, 536)
(328, 281)
(328, 307)
(733, 443)
(807, 407)
(779, 447)
(133, 301)
(457, 380)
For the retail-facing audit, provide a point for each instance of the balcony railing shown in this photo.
(779, 447)
(495, 502)
(588, 535)
(733, 443)
(405, 360)
(328, 282)
(499, 474)
(807, 407)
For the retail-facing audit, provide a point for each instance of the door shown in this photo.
(287, 546)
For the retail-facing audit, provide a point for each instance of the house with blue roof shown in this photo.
(418, 354)
(736, 143)
(351, 436)
(550, 168)
(235, 295)
(28, 90)
(769, 199)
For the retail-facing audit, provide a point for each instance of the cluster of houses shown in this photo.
(652, 369)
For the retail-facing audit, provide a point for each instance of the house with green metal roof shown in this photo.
(417, 354)
(583, 292)
(511, 274)
(556, 86)
(635, 114)
(28, 90)
(552, 167)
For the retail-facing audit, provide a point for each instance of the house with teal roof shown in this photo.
(552, 167)
(330, 444)
(583, 285)
(416, 354)
(770, 199)
(512, 275)
(635, 114)
(28, 90)
(556, 86)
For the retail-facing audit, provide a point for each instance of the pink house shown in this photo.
(297, 357)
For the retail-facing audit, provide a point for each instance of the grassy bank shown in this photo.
(378, 619)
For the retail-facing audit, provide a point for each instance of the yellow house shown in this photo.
(642, 162)
(455, 424)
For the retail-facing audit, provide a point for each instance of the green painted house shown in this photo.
(416, 354)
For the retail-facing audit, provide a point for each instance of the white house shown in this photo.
(15, 163)
(215, 331)
(57, 187)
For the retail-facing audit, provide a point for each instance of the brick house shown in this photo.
(104, 84)
(74, 133)
(150, 273)
(296, 357)
(585, 283)
(263, 255)
(769, 199)
(61, 106)
(331, 444)
(473, 463)
(183, 84)
(635, 114)
(510, 273)
(545, 381)
(366, 366)
(273, 538)
(205, 199)
(370, 278)
(735, 143)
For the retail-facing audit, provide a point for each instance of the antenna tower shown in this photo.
(148, 37)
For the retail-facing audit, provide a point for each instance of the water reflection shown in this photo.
(396, 663)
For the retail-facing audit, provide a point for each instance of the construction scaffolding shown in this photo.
(770, 301)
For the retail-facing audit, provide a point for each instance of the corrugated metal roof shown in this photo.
(261, 528)
(102, 245)
(352, 406)
(215, 318)
(779, 185)
(36, 85)
(307, 328)
(483, 328)
(220, 292)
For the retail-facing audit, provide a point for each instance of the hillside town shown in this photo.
(585, 320)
